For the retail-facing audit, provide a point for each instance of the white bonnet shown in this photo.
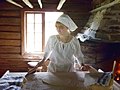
(68, 22)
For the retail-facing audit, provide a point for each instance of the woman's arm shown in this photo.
(48, 51)
(46, 57)
(33, 70)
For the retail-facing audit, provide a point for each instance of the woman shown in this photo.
(63, 48)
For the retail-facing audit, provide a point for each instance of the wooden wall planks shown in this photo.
(10, 29)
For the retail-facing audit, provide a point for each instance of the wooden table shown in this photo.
(55, 81)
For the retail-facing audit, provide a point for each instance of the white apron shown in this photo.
(60, 68)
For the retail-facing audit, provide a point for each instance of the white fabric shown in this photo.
(68, 22)
(60, 68)
(63, 53)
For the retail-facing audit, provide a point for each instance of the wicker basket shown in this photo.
(99, 87)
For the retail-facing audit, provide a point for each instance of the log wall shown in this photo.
(10, 29)
(11, 38)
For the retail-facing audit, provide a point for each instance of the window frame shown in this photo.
(23, 31)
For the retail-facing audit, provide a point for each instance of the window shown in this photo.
(38, 26)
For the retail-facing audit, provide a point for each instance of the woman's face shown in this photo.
(62, 29)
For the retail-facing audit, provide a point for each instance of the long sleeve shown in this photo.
(78, 53)
(49, 46)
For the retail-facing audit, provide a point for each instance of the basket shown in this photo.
(100, 87)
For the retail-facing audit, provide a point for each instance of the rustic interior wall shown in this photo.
(110, 25)
(101, 53)
(97, 53)
(10, 29)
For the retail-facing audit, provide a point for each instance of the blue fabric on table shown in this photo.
(105, 78)
(11, 83)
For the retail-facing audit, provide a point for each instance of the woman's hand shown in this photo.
(31, 71)
(43, 68)
(86, 67)
(45, 65)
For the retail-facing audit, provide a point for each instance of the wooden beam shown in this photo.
(106, 6)
(12, 2)
(28, 3)
(60, 4)
(40, 3)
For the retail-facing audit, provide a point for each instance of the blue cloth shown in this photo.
(11, 83)
(105, 78)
